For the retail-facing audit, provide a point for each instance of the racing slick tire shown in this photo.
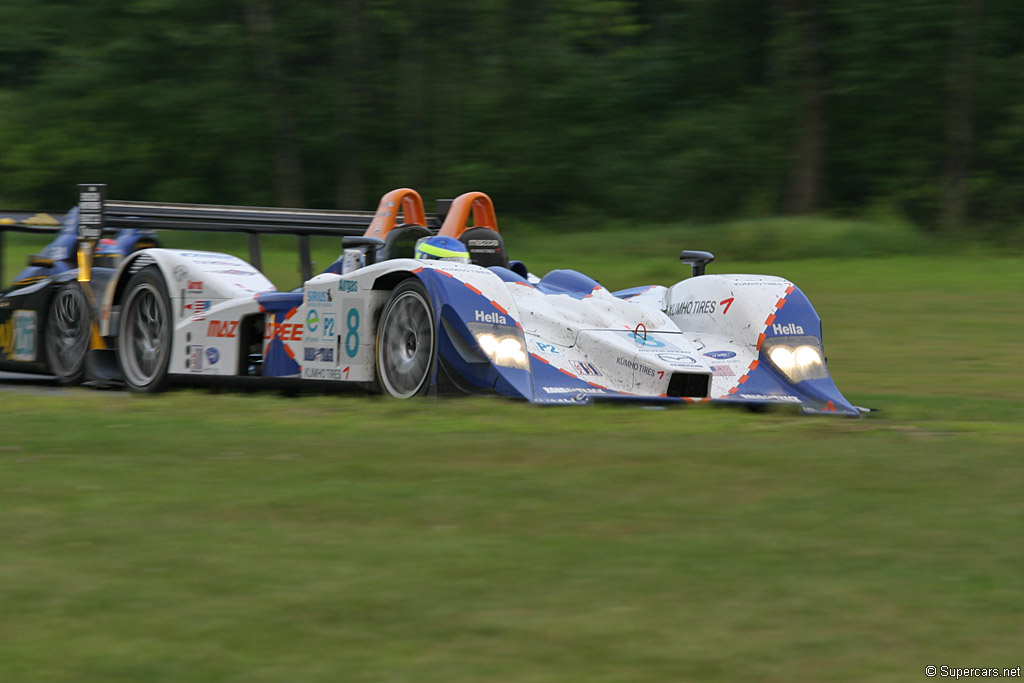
(406, 342)
(144, 333)
(68, 330)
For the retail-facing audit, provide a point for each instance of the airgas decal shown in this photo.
(18, 336)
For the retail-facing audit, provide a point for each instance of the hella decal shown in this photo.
(791, 328)
(496, 318)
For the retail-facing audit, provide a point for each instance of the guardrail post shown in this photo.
(305, 258)
(255, 256)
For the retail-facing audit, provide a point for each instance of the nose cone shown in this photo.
(822, 396)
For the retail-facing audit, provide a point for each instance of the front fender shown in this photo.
(465, 295)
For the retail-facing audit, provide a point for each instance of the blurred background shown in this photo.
(579, 110)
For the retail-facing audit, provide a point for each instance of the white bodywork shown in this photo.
(598, 343)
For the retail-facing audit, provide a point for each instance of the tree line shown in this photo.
(651, 109)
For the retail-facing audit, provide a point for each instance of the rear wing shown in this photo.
(36, 222)
(97, 214)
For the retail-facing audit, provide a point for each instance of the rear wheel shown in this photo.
(144, 340)
(406, 341)
(68, 326)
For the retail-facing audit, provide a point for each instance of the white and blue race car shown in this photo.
(381, 320)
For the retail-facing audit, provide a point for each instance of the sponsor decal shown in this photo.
(352, 333)
(348, 286)
(483, 243)
(312, 320)
(24, 335)
(547, 349)
(722, 371)
(235, 271)
(197, 307)
(769, 397)
(720, 355)
(196, 358)
(497, 318)
(692, 308)
(791, 328)
(284, 331)
(337, 374)
(573, 390)
(648, 341)
(222, 328)
(638, 367)
(195, 287)
(677, 359)
(328, 321)
(582, 368)
(318, 354)
(180, 273)
(319, 296)
(18, 336)
(574, 400)
(212, 355)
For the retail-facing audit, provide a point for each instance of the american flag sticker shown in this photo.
(722, 371)
(584, 368)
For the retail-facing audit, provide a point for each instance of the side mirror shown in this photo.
(697, 261)
(372, 244)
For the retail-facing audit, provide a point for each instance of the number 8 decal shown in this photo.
(352, 338)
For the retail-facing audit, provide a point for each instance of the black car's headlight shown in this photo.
(798, 358)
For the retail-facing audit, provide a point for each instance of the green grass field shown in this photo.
(202, 536)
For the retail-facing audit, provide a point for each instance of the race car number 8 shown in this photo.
(352, 338)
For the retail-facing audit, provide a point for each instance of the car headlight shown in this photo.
(502, 344)
(798, 358)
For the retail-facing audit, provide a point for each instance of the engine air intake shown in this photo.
(689, 385)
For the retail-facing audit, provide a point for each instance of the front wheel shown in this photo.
(68, 326)
(406, 341)
(144, 340)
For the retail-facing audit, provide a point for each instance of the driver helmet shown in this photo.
(108, 253)
(439, 248)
